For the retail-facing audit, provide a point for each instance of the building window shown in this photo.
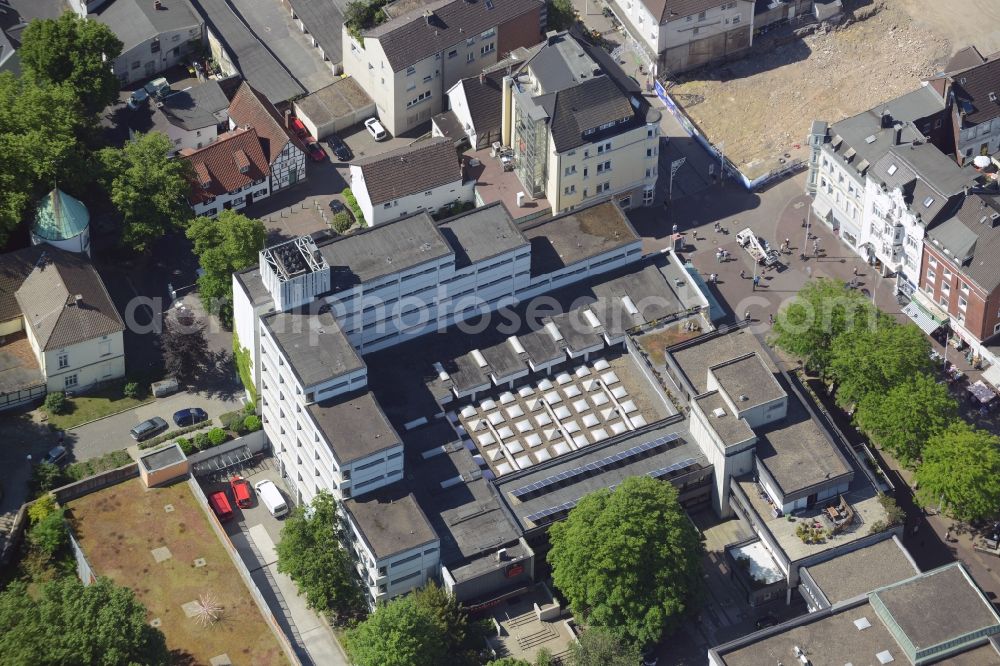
(63, 361)
(69, 381)
(996, 329)
(701, 16)
(470, 56)
(154, 46)
(962, 303)
(931, 276)
(488, 48)
(488, 33)
(570, 189)
(736, 19)
(945, 287)
(428, 78)
(135, 64)
(452, 53)
(570, 170)
(647, 196)
(605, 166)
(411, 70)
(603, 187)
(696, 30)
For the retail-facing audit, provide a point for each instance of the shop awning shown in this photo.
(922, 319)
(821, 209)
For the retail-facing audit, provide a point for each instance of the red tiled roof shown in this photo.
(249, 108)
(234, 160)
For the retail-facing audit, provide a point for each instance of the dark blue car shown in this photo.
(190, 416)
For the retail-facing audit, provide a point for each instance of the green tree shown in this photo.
(44, 477)
(607, 539)
(312, 555)
(148, 188)
(903, 419)
(508, 661)
(43, 134)
(48, 535)
(560, 15)
(69, 623)
(227, 244)
(599, 647)
(961, 472)
(400, 633)
(184, 348)
(74, 51)
(821, 311)
(872, 360)
(462, 637)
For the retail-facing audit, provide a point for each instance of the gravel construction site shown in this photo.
(759, 109)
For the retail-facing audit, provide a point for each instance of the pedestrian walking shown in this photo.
(855, 271)
(675, 228)
(746, 316)
(718, 255)
(713, 278)
(725, 255)
(743, 274)
(756, 282)
(717, 227)
(788, 245)
(770, 319)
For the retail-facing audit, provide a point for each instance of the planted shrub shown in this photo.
(217, 436)
(55, 402)
(131, 390)
(187, 446)
(252, 423)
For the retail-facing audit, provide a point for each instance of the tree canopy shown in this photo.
(403, 632)
(961, 472)
(822, 310)
(903, 419)
(148, 188)
(74, 51)
(67, 623)
(227, 244)
(872, 360)
(185, 350)
(599, 647)
(312, 555)
(42, 132)
(628, 560)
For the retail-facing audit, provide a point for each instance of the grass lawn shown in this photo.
(84, 408)
(118, 527)
(656, 342)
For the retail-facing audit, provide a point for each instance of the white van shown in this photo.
(269, 494)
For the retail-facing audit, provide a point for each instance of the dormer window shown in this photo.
(242, 161)
(928, 201)
(892, 169)
(201, 171)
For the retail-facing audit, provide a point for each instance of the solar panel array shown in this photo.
(541, 487)
(551, 514)
(676, 467)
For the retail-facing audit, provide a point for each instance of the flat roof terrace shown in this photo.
(154, 541)
(355, 427)
(851, 574)
(861, 497)
(315, 345)
(571, 237)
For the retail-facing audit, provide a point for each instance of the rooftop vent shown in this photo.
(871, 138)
(884, 657)
(862, 623)
(718, 412)
(744, 397)
(501, 555)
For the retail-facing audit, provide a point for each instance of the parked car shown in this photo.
(158, 88)
(56, 456)
(271, 497)
(339, 148)
(299, 129)
(316, 152)
(376, 129)
(137, 98)
(148, 428)
(220, 505)
(241, 492)
(189, 417)
(336, 206)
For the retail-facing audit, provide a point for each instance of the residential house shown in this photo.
(231, 172)
(425, 176)
(960, 276)
(396, 548)
(284, 151)
(679, 35)
(579, 127)
(408, 63)
(908, 190)
(474, 106)
(60, 303)
(155, 34)
(190, 118)
(974, 95)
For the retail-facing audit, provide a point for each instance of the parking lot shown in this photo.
(255, 532)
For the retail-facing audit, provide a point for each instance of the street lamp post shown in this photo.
(674, 167)
(805, 243)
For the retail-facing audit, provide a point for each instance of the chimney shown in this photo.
(78, 300)
(482, 78)
(897, 134)
(886, 119)
(428, 16)
(501, 555)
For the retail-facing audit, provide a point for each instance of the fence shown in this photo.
(83, 569)
(238, 564)
(692, 130)
(94, 483)
(12, 399)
